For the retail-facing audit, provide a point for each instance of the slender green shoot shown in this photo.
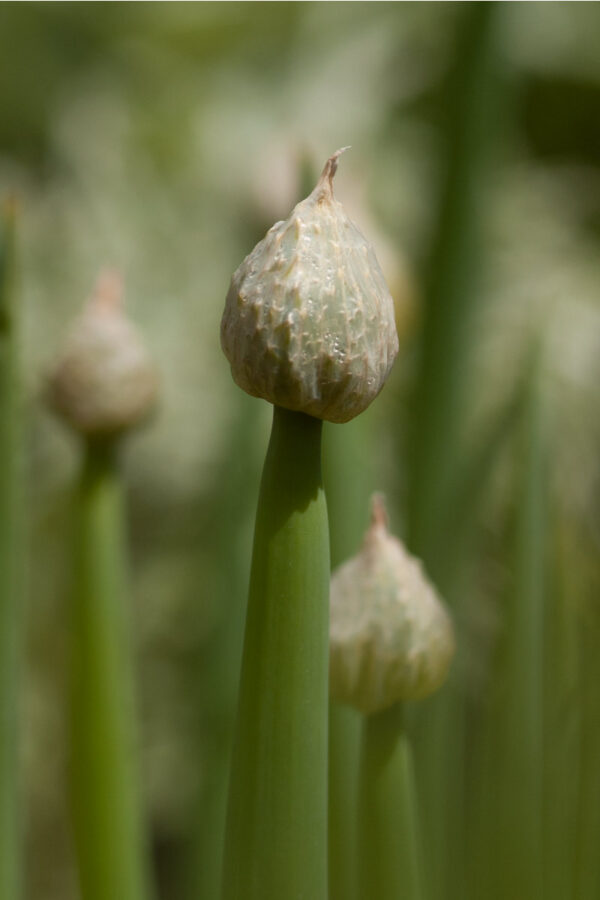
(524, 752)
(276, 835)
(562, 712)
(508, 837)
(389, 864)
(344, 752)
(473, 107)
(9, 564)
(104, 780)
(217, 671)
(587, 862)
(350, 472)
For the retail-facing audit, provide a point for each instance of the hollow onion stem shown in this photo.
(344, 744)
(389, 865)
(276, 834)
(349, 467)
(107, 817)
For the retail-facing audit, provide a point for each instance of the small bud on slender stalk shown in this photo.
(391, 640)
(103, 385)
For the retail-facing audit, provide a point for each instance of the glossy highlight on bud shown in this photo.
(391, 638)
(309, 321)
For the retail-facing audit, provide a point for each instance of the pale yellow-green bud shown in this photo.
(309, 320)
(104, 381)
(391, 638)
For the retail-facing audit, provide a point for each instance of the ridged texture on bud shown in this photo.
(309, 321)
(104, 381)
(391, 638)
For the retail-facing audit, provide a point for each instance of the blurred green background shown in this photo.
(164, 139)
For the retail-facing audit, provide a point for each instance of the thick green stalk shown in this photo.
(10, 500)
(389, 864)
(104, 782)
(276, 836)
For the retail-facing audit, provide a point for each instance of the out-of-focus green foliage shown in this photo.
(11, 557)
(164, 139)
